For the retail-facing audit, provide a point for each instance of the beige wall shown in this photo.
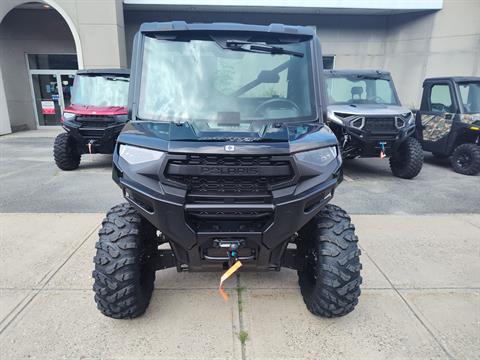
(412, 46)
(443, 43)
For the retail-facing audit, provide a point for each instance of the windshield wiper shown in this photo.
(240, 45)
(115, 78)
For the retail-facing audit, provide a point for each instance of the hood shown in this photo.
(96, 110)
(181, 138)
(369, 109)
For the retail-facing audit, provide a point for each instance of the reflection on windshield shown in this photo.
(360, 90)
(470, 96)
(100, 91)
(220, 88)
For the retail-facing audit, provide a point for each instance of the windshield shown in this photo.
(100, 90)
(357, 89)
(217, 86)
(470, 97)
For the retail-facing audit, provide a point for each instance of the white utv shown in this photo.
(368, 119)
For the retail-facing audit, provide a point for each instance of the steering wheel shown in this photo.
(276, 103)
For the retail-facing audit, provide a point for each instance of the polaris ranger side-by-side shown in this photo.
(97, 114)
(448, 122)
(226, 162)
(368, 119)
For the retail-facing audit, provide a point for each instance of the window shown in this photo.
(356, 89)
(470, 96)
(201, 82)
(328, 62)
(52, 62)
(440, 98)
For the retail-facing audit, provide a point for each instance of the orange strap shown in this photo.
(225, 276)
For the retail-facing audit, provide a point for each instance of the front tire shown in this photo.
(466, 159)
(407, 161)
(65, 153)
(330, 281)
(123, 279)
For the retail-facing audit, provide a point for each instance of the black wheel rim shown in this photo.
(464, 160)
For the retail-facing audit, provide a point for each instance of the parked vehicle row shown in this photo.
(225, 157)
(366, 115)
(364, 112)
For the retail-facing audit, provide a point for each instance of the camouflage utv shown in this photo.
(448, 122)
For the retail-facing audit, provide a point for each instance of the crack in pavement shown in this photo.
(410, 307)
(6, 322)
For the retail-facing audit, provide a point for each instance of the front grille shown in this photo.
(226, 179)
(229, 220)
(95, 121)
(91, 133)
(380, 124)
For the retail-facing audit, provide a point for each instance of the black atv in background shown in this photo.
(227, 160)
(368, 119)
(97, 114)
(448, 122)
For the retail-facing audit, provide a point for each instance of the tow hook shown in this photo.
(233, 264)
(382, 149)
(232, 254)
(89, 145)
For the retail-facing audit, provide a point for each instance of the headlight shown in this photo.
(408, 117)
(136, 155)
(319, 157)
(68, 116)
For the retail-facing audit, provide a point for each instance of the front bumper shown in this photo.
(194, 225)
(372, 143)
(101, 139)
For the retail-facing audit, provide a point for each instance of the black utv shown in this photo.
(225, 161)
(95, 117)
(366, 115)
(448, 122)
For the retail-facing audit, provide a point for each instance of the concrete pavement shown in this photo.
(421, 299)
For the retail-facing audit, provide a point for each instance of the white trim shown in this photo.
(319, 4)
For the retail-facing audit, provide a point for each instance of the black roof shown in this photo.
(302, 31)
(118, 71)
(453, 78)
(357, 72)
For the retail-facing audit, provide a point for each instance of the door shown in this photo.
(67, 83)
(47, 99)
(51, 94)
(437, 119)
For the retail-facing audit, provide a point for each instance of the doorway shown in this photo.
(51, 80)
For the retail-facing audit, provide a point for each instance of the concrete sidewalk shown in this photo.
(421, 299)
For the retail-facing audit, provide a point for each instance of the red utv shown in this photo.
(97, 114)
